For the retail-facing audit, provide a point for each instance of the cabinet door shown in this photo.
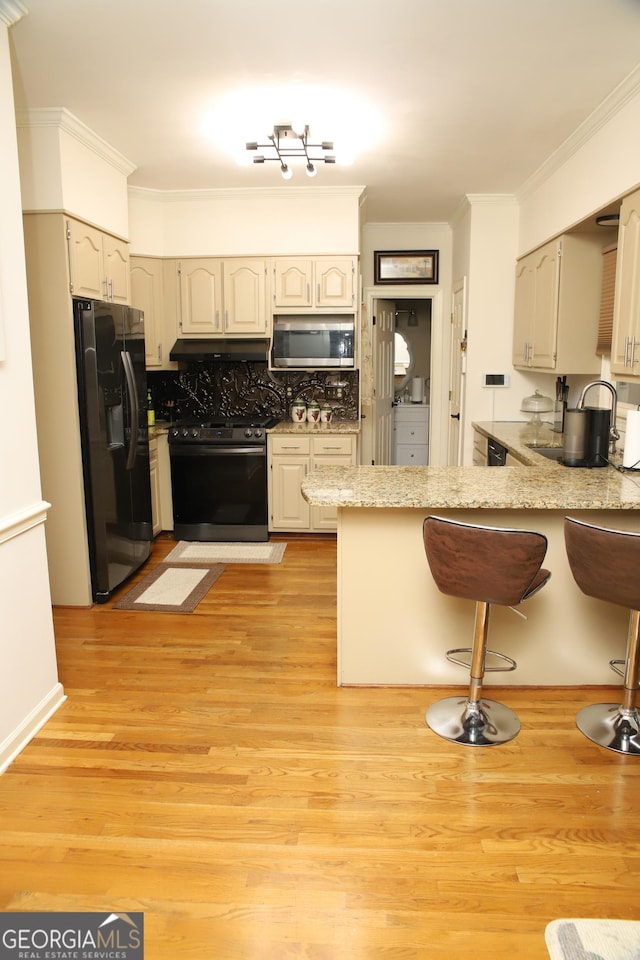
(85, 261)
(201, 296)
(293, 283)
(146, 295)
(625, 347)
(523, 312)
(164, 483)
(545, 312)
(480, 444)
(289, 509)
(115, 264)
(245, 300)
(154, 478)
(334, 282)
(330, 451)
(325, 518)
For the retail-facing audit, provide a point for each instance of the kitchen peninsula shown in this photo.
(394, 626)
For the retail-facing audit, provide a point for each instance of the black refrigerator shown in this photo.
(112, 391)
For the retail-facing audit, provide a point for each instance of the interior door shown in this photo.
(383, 333)
(457, 372)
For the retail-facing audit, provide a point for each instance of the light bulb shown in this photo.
(286, 172)
(311, 170)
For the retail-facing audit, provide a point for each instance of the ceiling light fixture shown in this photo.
(285, 144)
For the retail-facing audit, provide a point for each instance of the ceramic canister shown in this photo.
(313, 412)
(298, 411)
(326, 413)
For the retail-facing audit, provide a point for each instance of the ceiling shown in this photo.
(465, 97)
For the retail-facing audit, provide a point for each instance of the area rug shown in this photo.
(188, 551)
(171, 588)
(579, 939)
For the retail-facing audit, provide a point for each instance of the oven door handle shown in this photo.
(206, 449)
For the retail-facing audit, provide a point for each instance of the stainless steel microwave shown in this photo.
(307, 341)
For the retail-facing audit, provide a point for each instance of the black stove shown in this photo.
(240, 430)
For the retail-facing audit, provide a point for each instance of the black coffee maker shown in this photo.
(598, 429)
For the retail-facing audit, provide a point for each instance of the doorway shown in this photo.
(402, 359)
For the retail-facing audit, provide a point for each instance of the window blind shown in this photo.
(605, 323)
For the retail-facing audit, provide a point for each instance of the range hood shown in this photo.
(227, 350)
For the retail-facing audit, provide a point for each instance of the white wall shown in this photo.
(254, 222)
(29, 688)
(66, 166)
(410, 236)
(598, 165)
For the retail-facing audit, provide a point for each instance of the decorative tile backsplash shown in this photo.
(218, 391)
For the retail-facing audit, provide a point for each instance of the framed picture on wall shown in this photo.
(405, 266)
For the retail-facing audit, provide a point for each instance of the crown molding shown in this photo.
(61, 118)
(626, 90)
(282, 194)
(11, 11)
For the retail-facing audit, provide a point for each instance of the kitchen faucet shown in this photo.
(613, 432)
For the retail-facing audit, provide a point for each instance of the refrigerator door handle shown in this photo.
(133, 408)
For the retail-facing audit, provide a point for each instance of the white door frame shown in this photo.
(440, 349)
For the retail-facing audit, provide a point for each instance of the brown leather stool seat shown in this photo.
(606, 565)
(491, 565)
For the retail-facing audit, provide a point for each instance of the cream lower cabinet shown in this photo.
(154, 476)
(160, 476)
(291, 457)
(480, 449)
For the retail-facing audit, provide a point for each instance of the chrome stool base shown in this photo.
(478, 724)
(611, 726)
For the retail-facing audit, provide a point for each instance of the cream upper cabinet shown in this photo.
(200, 286)
(147, 295)
(625, 345)
(314, 283)
(222, 298)
(557, 302)
(98, 263)
(245, 297)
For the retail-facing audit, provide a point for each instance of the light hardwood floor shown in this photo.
(207, 770)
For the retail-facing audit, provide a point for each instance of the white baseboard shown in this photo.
(20, 737)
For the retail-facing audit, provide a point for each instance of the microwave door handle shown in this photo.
(133, 408)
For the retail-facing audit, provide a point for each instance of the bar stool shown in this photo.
(491, 565)
(605, 564)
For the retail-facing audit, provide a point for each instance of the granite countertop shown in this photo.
(336, 426)
(546, 485)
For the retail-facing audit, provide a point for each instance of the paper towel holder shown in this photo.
(631, 452)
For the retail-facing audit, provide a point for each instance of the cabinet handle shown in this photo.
(105, 288)
(308, 293)
(318, 296)
(633, 351)
(626, 351)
